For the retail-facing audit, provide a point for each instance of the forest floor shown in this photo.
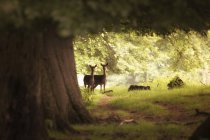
(144, 115)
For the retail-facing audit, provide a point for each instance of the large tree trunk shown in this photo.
(202, 132)
(60, 87)
(21, 115)
(38, 82)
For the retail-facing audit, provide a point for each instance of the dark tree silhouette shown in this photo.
(202, 132)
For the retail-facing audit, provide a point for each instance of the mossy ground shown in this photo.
(156, 114)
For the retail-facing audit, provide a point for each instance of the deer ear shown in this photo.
(107, 64)
(95, 66)
(102, 65)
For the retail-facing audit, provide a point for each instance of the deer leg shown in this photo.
(104, 88)
(95, 86)
(92, 88)
(88, 88)
(101, 88)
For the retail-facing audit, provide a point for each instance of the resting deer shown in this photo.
(89, 80)
(101, 79)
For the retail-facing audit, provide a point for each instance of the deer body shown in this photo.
(101, 79)
(98, 79)
(89, 80)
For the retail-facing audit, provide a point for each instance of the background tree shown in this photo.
(94, 49)
(148, 56)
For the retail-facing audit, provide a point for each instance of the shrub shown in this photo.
(87, 97)
(176, 82)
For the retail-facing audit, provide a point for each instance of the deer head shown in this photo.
(104, 66)
(92, 70)
(92, 67)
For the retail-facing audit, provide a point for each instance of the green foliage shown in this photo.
(87, 96)
(90, 98)
(188, 51)
(135, 53)
(80, 16)
(107, 47)
(150, 57)
(95, 49)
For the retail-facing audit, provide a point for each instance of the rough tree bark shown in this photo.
(60, 87)
(38, 82)
(21, 115)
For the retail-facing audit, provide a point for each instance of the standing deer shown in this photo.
(101, 79)
(89, 80)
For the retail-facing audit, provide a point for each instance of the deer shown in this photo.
(89, 80)
(101, 79)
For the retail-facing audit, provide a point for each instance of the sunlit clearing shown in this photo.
(145, 59)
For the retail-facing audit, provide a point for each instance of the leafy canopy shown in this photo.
(79, 16)
(134, 54)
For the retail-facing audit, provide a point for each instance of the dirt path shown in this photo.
(177, 112)
(104, 101)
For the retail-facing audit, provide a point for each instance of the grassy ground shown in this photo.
(150, 115)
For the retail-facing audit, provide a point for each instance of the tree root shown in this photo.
(201, 113)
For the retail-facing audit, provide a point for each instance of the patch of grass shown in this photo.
(90, 98)
(138, 105)
(188, 98)
(146, 101)
(57, 134)
(143, 130)
(149, 103)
